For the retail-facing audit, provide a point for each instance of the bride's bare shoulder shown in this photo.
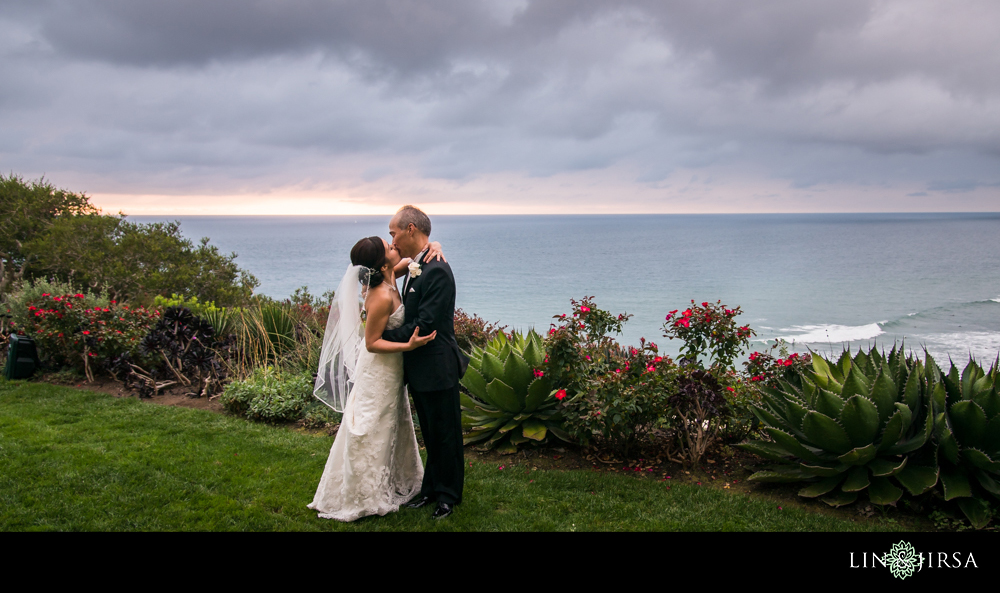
(378, 303)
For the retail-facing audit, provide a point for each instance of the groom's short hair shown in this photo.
(412, 215)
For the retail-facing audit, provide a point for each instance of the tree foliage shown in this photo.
(50, 233)
(29, 210)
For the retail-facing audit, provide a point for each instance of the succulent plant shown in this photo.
(509, 401)
(967, 412)
(850, 427)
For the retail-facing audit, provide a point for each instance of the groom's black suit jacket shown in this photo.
(430, 303)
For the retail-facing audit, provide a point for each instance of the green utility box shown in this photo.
(22, 357)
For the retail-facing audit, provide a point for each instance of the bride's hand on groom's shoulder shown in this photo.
(434, 252)
(416, 340)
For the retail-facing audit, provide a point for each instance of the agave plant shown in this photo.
(509, 401)
(850, 427)
(967, 409)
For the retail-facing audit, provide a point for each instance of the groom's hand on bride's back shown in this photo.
(416, 340)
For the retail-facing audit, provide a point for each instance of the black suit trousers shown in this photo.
(440, 416)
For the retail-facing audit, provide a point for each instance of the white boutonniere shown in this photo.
(414, 269)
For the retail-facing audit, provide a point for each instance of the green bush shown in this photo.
(30, 209)
(269, 395)
(136, 262)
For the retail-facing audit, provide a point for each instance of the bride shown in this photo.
(374, 465)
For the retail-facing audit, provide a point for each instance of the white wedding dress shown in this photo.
(374, 465)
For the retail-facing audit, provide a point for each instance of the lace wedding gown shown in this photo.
(374, 465)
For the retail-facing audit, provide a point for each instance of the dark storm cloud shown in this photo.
(858, 91)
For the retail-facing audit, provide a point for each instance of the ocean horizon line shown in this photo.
(585, 214)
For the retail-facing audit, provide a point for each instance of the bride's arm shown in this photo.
(379, 306)
(434, 252)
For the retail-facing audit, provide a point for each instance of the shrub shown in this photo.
(709, 331)
(29, 211)
(614, 397)
(473, 331)
(71, 331)
(269, 395)
(700, 411)
(136, 261)
(179, 349)
(620, 408)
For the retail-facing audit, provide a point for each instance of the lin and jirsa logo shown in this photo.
(903, 560)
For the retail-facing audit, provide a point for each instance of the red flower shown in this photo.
(687, 313)
(658, 359)
(683, 321)
(585, 309)
(705, 304)
(587, 357)
(80, 296)
(560, 394)
(539, 373)
(651, 368)
(730, 389)
(86, 333)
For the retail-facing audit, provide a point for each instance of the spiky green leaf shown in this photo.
(859, 455)
(882, 491)
(826, 433)
(968, 422)
(886, 466)
(821, 487)
(857, 479)
(839, 498)
(534, 429)
(918, 479)
(860, 418)
(503, 397)
(955, 483)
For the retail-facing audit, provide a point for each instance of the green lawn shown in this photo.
(83, 461)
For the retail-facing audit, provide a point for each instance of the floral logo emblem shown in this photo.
(414, 268)
(902, 560)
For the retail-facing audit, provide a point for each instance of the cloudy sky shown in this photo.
(503, 106)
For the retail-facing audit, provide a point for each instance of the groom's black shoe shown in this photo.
(418, 502)
(443, 510)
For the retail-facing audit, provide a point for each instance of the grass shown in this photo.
(83, 461)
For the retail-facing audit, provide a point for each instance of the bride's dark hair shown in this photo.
(370, 253)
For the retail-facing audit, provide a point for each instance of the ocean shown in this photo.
(821, 282)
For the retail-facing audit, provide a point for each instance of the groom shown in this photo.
(432, 371)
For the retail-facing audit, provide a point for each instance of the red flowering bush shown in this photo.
(766, 369)
(620, 408)
(578, 346)
(70, 330)
(709, 329)
(610, 396)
